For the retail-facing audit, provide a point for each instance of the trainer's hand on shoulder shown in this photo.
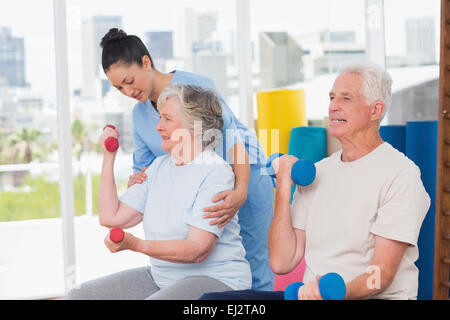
(225, 211)
(137, 177)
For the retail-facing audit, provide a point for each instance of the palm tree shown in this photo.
(23, 143)
(2, 147)
(80, 138)
(22, 146)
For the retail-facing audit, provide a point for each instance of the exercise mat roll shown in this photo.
(421, 147)
(279, 110)
(308, 143)
(395, 136)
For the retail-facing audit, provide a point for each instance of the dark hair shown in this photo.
(120, 47)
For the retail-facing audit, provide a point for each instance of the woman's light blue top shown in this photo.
(171, 199)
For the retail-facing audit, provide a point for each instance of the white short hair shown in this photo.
(376, 82)
(197, 105)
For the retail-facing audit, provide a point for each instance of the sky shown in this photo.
(35, 24)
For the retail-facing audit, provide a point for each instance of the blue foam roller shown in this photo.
(332, 287)
(395, 135)
(421, 147)
(309, 143)
(291, 291)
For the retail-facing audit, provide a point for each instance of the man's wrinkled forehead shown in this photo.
(347, 84)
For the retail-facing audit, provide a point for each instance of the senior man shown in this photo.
(361, 217)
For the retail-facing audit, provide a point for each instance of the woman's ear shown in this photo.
(146, 62)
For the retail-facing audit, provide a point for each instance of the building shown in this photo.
(195, 32)
(338, 48)
(199, 48)
(93, 30)
(420, 40)
(12, 59)
(417, 101)
(207, 25)
(213, 65)
(159, 44)
(280, 59)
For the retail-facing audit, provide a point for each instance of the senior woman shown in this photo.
(188, 256)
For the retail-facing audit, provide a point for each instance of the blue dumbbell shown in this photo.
(303, 171)
(331, 287)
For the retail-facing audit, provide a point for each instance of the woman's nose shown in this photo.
(159, 126)
(128, 91)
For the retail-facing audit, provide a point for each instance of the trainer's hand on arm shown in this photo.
(137, 177)
(232, 199)
(225, 211)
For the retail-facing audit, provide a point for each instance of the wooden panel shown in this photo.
(441, 283)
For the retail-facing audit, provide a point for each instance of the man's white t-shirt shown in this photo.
(349, 203)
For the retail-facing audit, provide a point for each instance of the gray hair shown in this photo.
(198, 106)
(376, 82)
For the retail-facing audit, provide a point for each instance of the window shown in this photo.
(412, 31)
(196, 36)
(302, 44)
(30, 236)
(295, 45)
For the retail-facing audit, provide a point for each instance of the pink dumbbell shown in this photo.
(116, 235)
(111, 143)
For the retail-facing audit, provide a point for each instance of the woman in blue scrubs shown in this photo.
(129, 67)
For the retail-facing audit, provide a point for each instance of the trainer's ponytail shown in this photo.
(119, 47)
(114, 35)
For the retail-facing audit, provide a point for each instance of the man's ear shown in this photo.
(378, 108)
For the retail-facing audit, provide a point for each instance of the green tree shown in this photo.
(80, 138)
(2, 147)
(41, 198)
(23, 145)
